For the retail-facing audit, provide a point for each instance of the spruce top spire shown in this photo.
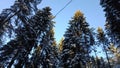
(78, 14)
(100, 30)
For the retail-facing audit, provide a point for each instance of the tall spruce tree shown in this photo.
(27, 36)
(112, 13)
(11, 21)
(101, 36)
(77, 42)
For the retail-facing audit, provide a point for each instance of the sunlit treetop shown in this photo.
(100, 30)
(100, 34)
(78, 14)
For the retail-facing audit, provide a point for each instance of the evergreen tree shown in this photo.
(103, 39)
(112, 13)
(77, 42)
(12, 20)
(27, 36)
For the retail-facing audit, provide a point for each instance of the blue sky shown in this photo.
(92, 11)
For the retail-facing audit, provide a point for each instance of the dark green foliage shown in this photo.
(16, 15)
(32, 30)
(27, 37)
(112, 13)
(77, 42)
(28, 34)
(31, 43)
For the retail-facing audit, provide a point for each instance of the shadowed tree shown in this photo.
(16, 15)
(12, 22)
(77, 42)
(16, 52)
(103, 39)
(112, 13)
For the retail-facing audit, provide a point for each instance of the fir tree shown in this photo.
(13, 23)
(16, 52)
(112, 13)
(103, 39)
(77, 42)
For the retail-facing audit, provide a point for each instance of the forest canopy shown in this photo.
(31, 43)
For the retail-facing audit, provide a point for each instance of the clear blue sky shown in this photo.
(92, 10)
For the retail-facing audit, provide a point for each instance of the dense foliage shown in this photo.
(27, 38)
(112, 13)
(31, 31)
(77, 42)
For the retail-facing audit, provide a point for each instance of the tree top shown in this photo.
(78, 14)
(100, 30)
